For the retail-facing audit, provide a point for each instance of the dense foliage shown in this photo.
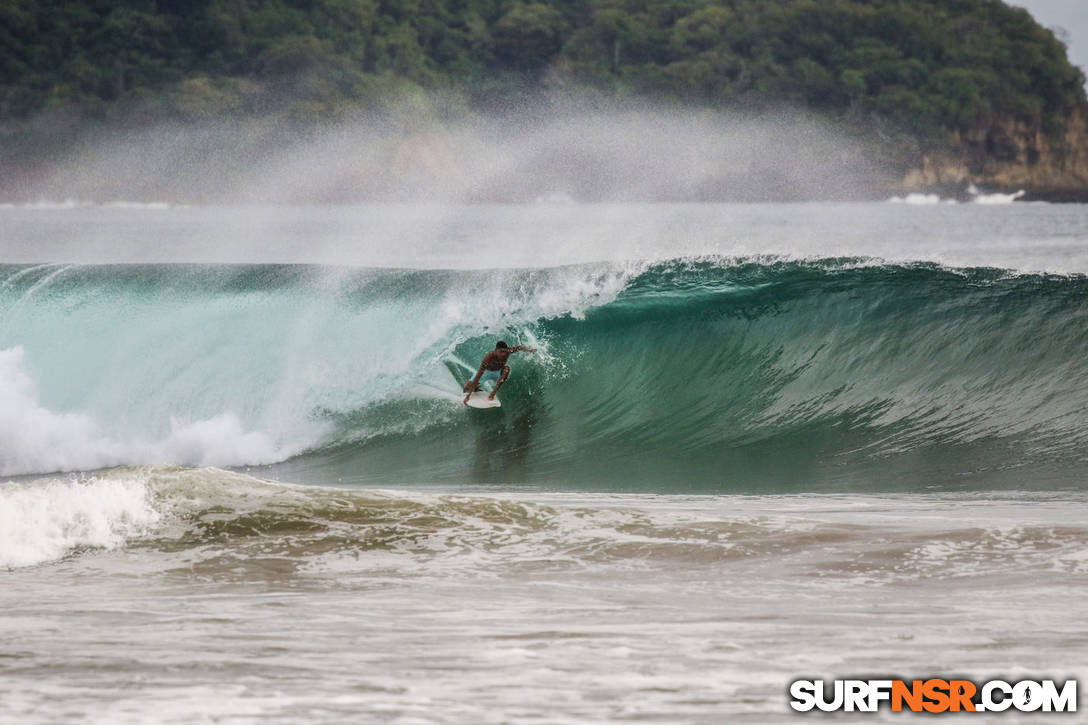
(933, 67)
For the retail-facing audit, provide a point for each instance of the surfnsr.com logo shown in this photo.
(933, 695)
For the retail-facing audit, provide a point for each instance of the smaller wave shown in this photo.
(46, 520)
(225, 525)
(229, 522)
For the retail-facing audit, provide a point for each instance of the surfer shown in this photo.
(494, 367)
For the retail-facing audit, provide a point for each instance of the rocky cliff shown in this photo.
(1010, 157)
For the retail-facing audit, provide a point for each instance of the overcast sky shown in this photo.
(1069, 14)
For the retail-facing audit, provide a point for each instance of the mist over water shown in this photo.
(620, 155)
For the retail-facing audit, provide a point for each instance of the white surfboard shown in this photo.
(479, 400)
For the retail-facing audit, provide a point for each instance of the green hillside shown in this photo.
(942, 92)
(930, 66)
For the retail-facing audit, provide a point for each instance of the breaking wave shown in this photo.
(703, 374)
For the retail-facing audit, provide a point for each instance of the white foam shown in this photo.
(219, 441)
(917, 199)
(38, 440)
(45, 520)
(48, 205)
(993, 199)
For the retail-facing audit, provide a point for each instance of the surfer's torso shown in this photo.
(496, 359)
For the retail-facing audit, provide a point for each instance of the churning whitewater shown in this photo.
(717, 374)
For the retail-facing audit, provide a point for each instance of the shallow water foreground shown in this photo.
(226, 599)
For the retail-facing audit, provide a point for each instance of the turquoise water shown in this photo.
(712, 374)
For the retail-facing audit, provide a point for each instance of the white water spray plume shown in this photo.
(626, 155)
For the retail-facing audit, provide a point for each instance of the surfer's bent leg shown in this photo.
(502, 379)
